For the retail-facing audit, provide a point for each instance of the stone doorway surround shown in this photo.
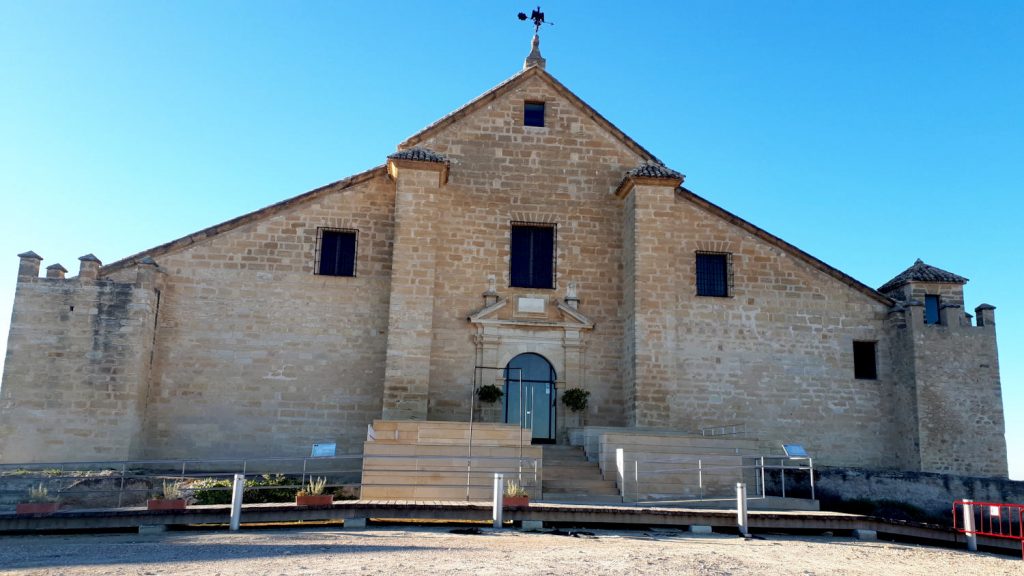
(541, 323)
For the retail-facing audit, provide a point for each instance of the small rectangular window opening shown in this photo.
(335, 252)
(713, 274)
(532, 255)
(533, 114)
(864, 365)
(931, 309)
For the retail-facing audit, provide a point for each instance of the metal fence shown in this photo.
(681, 480)
(115, 484)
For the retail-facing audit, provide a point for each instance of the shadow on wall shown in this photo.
(910, 496)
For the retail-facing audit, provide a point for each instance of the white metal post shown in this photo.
(236, 500)
(620, 469)
(700, 478)
(741, 508)
(499, 483)
(972, 538)
(782, 476)
(763, 489)
(810, 464)
(636, 479)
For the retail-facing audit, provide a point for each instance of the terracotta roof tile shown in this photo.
(418, 154)
(921, 272)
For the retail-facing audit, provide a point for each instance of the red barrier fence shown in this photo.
(996, 520)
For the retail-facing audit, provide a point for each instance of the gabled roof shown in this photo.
(921, 272)
(507, 86)
(216, 229)
(786, 247)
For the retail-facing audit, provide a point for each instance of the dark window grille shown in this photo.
(713, 274)
(864, 365)
(335, 252)
(931, 309)
(533, 114)
(532, 255)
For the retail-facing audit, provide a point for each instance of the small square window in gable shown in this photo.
(714, 274)
(335, 252)
(533, 113)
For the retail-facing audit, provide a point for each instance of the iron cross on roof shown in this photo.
(538, 18)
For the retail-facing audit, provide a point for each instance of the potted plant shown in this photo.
(313, 494)
(39, 502)
(515, 496)
(575, 399)
(489, 393)
(170, 498)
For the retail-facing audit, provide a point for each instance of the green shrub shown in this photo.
(575, 399)
(489, 394)
(210, 491)
(259, 490)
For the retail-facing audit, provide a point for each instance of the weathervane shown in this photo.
(538, 18)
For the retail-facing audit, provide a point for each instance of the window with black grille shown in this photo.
(713, 274)
(532, 255)
(864, 365)
(336, 252)
(533, 114)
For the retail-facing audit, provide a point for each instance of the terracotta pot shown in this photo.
(166, 504)
(515, 501)
(37, 507)
(314, 500)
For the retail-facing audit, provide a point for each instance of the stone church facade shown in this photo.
(524, 223)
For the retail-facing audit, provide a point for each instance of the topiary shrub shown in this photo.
(575, 399)
(489, 393)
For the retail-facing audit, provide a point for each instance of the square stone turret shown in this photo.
(948, 398)
(922, 280)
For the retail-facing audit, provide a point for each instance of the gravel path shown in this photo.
(436, 551)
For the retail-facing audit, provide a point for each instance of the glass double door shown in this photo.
(530, 396)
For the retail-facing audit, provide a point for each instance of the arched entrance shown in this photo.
(530, 395)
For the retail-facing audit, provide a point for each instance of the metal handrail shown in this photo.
(761, 486)
(122, 472)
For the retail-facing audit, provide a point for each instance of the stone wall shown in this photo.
(933, 493)
(78, 360)
(959, 399)
(256, 354)
(776, 354)
(564, 174)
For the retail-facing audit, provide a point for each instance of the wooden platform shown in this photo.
(566, 514)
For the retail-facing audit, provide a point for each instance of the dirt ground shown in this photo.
(436, 551)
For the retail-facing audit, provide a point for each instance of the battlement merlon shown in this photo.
(28, 267)
(88, 268)
(986, 315)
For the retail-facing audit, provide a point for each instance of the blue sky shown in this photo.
(866, 133)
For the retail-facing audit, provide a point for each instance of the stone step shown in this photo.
(577, 488)
(582, 498)
(571, 473)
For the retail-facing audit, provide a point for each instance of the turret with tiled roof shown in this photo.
(921, 272)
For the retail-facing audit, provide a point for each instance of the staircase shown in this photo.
(569, 477)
